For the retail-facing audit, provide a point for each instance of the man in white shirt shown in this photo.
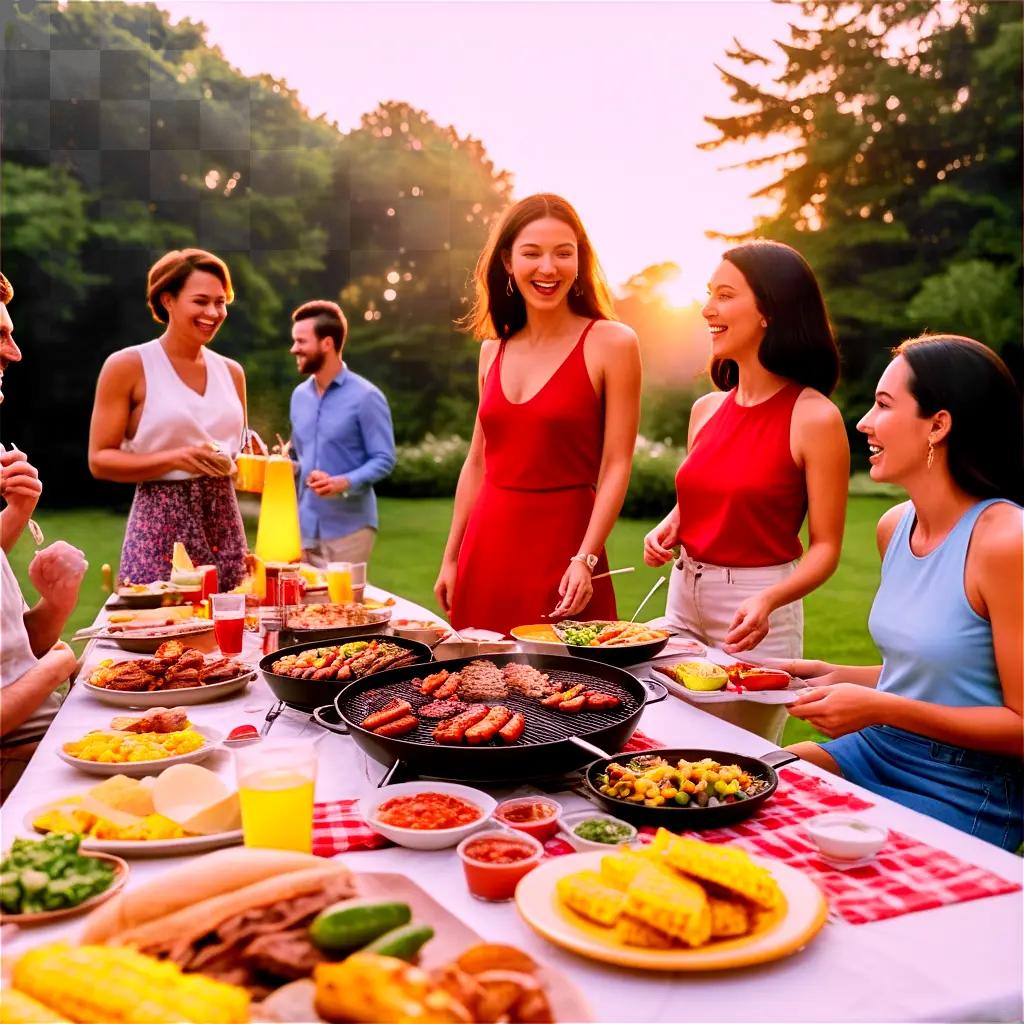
(33, 659)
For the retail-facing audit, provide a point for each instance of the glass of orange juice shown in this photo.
(275, 786)
(339, 582)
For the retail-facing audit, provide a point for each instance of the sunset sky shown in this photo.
(601, 102)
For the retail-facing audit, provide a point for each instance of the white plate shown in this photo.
(169, 698)
(145, 847)
(137, 769)
(421, 838)
(141, 642)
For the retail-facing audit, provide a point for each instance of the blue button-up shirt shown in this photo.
(346, 432)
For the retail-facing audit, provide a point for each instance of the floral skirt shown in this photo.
(202, 513)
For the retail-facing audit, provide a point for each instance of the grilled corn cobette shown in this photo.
(113, 984)
(676, 892)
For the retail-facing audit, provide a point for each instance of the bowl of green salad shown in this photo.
(42, 880)
(590, 831)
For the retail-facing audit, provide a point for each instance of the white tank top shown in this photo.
(174, 415)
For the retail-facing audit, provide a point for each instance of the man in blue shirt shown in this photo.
(343, 438)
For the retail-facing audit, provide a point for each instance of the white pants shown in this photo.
(702, 600)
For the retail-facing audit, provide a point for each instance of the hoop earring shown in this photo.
(764, 323)
(510, 288)
(931, 454)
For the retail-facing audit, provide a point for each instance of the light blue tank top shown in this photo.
(935, 646)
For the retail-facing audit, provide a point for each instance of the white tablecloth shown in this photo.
(962, 962)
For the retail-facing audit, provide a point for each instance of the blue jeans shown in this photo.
(973, 791)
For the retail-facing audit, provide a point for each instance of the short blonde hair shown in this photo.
(6, 290)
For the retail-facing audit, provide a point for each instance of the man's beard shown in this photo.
(312, 364)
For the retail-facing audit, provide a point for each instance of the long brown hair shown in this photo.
(495, 313)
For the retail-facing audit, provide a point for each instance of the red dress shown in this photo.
(541, 462)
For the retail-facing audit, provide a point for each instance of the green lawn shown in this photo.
(412, 537)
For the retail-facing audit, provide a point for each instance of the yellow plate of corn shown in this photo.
(675, 905)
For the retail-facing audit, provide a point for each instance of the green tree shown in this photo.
(899, 167)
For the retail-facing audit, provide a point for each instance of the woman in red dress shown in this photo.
(549, 462)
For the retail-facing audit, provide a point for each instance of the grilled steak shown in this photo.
(442, 709)
(527, 681)
(482, 680)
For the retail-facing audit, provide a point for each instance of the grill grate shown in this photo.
(543, 725)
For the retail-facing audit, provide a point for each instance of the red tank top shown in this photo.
(551, 441)
(742, 498)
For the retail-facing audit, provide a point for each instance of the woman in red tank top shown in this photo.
(764, 452)
(549, 462)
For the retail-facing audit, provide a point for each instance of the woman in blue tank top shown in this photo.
(938, 725)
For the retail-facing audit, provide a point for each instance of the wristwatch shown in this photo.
(590, 561)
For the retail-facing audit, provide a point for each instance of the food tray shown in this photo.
(185, 697)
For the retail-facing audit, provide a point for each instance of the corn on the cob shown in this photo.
(631, 931)
(18, 1008)
(728, 918)
(676, 906)
(587, 894)
(726, 866)
(112, 984)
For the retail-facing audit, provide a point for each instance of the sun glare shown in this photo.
(688, 286)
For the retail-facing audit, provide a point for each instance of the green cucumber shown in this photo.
(404, 942)
(353, 923)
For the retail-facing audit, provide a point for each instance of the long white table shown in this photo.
(957, 963)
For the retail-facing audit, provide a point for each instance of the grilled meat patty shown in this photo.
(527, 681)
(482, 680)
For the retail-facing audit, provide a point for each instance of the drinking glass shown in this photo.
(358, 581)
(339, 582)
(275, 786)
(228, 622)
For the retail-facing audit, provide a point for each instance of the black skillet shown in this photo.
(312, 693)
(679, 819)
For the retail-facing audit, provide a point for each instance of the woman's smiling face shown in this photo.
(897, 433)
(731, 312)
(543, 262)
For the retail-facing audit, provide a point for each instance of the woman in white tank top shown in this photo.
(169, 418)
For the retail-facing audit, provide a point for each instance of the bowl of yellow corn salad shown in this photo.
(107, 752)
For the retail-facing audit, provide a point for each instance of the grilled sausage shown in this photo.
(393, 710)
(487, 728)
(559, 698)
(512, 729)
(598, 701)
(448, 688)
(452, 731)
(573, 705)
(399, 727)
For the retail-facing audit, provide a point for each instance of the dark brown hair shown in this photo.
(985, 445)
(6, 290)
(496, 314)
(799, 342)
(328, 320)
(170, 272)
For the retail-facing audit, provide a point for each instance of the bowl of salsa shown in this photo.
(495, 860)
(535, 815)
(427, 815)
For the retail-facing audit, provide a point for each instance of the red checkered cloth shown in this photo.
(906, 876)
(338, 827)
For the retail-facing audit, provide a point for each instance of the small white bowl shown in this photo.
(569, 822)
(845, 837)
(422, 838)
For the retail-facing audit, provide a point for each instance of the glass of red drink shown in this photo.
(495, 860)
(228, 622)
